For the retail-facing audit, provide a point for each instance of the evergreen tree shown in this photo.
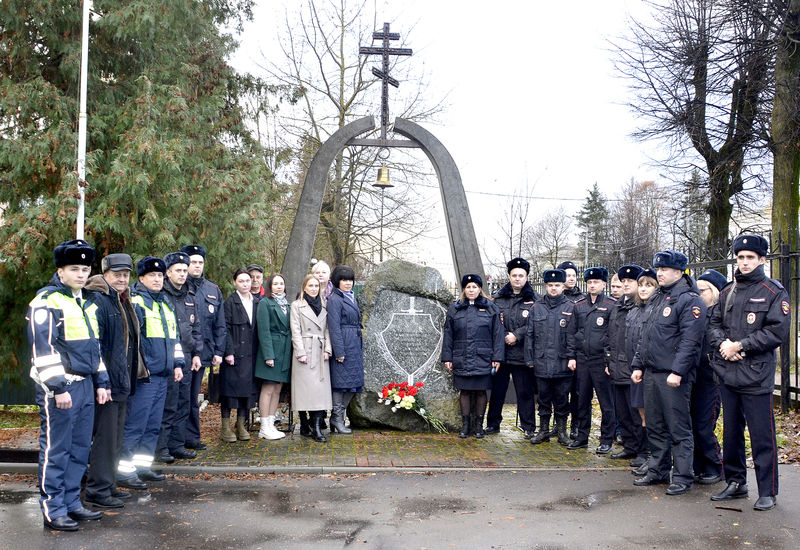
(593, 220)
(169, 159)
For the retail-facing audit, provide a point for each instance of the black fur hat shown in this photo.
(754, 243)
(555, 276)
(471, 278)
(519, 262)
(192, 249)
(149, 264)
(75, 252)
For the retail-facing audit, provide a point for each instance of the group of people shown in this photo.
(119, 367)
(659, 358)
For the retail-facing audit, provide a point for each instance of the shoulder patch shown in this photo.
(785, 307)
(696, 311)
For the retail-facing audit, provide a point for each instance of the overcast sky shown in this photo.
(532, 98)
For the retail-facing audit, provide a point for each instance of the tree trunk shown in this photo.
(719, 210)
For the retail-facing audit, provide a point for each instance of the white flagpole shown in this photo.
(82, 119)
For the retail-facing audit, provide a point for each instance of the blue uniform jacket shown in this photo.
(549, 341)
(514, 312)
(161, 353)
(211, 314)
(617, 358)
(591, 328)
(473, 337)
(344, 326)
(758, 316)
(672, 334)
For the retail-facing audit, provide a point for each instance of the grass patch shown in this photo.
(19, 416)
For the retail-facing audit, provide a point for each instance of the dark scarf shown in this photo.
(314, 303)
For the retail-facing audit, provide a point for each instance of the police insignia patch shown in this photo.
(211, 308)
(696, 312)
(667, 311)
(40, 317)
(785, 307)
(600, 321)
(524, 312)
(751, 318)
(562, 323)
(191, 317)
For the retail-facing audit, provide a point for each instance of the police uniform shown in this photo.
(753, 310)
(172, 439)
(574, 295)
(65, 358)
(591, 340)
(514, 312)
(211, 316)
(162, 353)
(547, 347)
(670, 344)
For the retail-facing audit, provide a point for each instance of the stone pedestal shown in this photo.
(404, 307)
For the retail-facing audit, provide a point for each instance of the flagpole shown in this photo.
(82, 120)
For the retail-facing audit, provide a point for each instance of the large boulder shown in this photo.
(404, 307)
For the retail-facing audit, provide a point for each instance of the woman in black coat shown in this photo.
(237, 383)
(473, 347)
(344, 325)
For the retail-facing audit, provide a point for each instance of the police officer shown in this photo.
(548, 344)
(163, 356)
(751, 320)
(573, 293)
(119, 345)
(591, 338)
(515, 301)
(69, 372)
(619, 365)
(668, 350)
(172, 439)
(211, 316)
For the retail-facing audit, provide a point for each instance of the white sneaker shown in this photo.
(270, 430)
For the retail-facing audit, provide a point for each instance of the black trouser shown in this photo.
(705, 411)
(630, 423)
(669, 428)
(109, 427)
(592, 378)
(553, 395)
(176, 413)
(193, 423)
(525, 388)
(573, 401)
(756, 411)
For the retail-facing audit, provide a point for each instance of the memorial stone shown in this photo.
(404, 307)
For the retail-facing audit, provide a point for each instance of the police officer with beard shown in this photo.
(211, 316)
(514, 301)
(750, 321)
(172, 439)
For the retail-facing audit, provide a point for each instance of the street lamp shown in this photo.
(382, 183)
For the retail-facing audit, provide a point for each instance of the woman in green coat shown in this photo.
(274, 357)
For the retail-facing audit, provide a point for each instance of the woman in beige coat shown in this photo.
(311, 380)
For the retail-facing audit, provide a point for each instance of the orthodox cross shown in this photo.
(385, 51)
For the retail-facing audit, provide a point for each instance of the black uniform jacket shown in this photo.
(591, 328)
(514, 312)
(673, 331)
(753, 310)
(473, 337)
(617, 358)
(574, 294)
(211, 316)
(548, 342)
(184, 303)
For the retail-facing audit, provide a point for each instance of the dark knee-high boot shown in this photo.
(305, 425)
(316, 427)
(478, 429)
(465, 426)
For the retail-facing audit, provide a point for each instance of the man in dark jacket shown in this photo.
(514, 301)
(172, 439)
(750, 321)
(211, 316)
(619, 366)
(668, 350)
(119, 346)
(573, 293)
(548, 341)
(591, 338)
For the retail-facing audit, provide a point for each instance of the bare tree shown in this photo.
(546, 241)
(636, 228)
(513, 225)
(701, 78)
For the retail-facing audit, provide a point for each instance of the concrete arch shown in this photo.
(463, 244)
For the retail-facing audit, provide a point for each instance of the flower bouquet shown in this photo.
(404, 396)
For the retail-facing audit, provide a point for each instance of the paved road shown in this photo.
(471, 509)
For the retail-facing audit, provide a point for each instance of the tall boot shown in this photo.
(316, 427)
(225, 433)
(305, 426)
(561, 430)
(263, 431)
(479, 426)
(465, 426)
(337, 424)
(241, 430)
(543, 433)
(551, 432)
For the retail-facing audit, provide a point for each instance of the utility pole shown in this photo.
(82, 121)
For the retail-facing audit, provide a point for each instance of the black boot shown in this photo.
(479, 427)
(316, 427)
(561, 430)
(465, 426)
(543, 433)
(305, 426)
(551, 432)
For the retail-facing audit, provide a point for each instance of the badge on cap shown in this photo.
(211, 308)
(785, 307)
(524, 312)
(562, 323)
(696, 311)
(83, 256)
(667, 311)
(751, 318)
(600, 321)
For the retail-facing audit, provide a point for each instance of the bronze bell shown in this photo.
(383, 178)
